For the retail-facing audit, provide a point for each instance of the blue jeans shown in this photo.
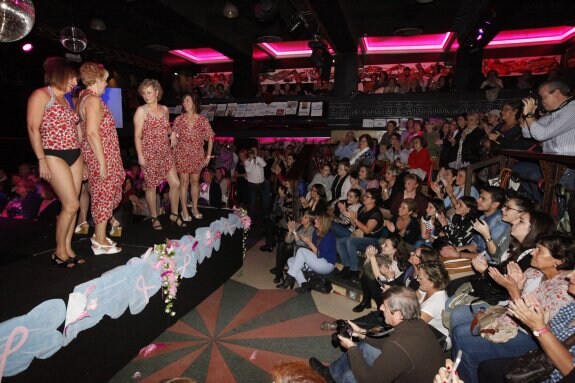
(305, 257)
(347, 249)
(340, 231)
(462, 314)
(476, 350)
(341, 370)
(530, 173)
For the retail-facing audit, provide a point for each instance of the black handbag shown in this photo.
(534, 366)
(486, 289)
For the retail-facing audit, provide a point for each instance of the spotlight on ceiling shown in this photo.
(27, 47)
(230, 10)
(97, 24)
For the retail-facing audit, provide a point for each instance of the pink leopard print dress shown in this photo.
(58, 126)
(106, 193)
(156, 150)
(189, 151)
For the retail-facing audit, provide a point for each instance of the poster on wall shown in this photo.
(291, 108)
(516, 66)
(304, 108)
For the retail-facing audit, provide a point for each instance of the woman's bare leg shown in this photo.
(195, 186)
(184, 183)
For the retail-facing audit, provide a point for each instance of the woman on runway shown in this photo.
(101, 152)
(153, 138)
(192, 130)
(53, 134)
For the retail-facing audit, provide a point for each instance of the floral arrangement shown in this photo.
(170, 277)
(246, 222)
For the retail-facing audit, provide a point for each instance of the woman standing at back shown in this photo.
(153, 138)
(54, 137)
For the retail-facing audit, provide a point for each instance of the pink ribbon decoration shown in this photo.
(187, 262)
(8, 350)
(143, 288)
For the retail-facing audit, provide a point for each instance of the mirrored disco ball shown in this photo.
(16, 19)
(73, 39)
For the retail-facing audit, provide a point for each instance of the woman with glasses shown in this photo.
(319, 256)
(368, 223)
(363, 154)
(317, 201)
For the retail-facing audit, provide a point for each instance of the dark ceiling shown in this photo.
(137, 28)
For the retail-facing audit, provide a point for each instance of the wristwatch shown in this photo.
(541, 331)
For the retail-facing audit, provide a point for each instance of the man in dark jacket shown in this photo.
(410, 354)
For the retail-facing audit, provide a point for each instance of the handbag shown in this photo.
(533, 366)
(489, 327)
(487, 289)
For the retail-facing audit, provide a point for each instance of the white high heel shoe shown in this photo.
(98, 249)
(110, 242)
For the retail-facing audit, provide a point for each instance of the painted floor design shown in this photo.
(237, 334)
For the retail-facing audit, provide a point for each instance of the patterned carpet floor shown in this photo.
(236, 335)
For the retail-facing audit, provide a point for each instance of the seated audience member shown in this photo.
(433, 279)
(368, 224)
(275, 227)
(50, 205)
(552, 260)
(295, 372)
(389, 186)
(341, 225)
(445, 373)
(346, 146)
(325, 178)
(210, 191)
(395, 152)
(129, 196)
(319, 256)
(511, 211)
(525, 231)
(411, 353)
(223, 179)
(363, 155)
(419, 161)
(551, 336)
(390, 128)
(451, 187)
(366, 180)
(456, 234)
(286, 248)
(490, 202)
(410, 190)
(429, 224)
(341, 183)
(507, 134)
(405, 224)
(25, 203)
(381, 268)
(317, 201)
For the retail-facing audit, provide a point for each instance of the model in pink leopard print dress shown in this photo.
(192, 131)
(101, 152)
(154, 139)
(54, 138)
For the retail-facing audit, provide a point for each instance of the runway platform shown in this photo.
(28, 279)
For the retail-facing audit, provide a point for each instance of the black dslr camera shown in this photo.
(342, 328)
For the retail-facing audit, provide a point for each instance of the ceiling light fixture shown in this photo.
(230, 10)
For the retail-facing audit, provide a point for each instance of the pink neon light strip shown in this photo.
(201, 55)
(536, 36)
(423, 43)
(288, 49)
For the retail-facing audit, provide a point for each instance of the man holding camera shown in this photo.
(254, 166)
(410, 354)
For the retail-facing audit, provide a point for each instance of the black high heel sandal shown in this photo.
(289, 282)
(57, 261)
(178, 221)
(157, 227)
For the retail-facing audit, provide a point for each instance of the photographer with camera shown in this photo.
(411, 353)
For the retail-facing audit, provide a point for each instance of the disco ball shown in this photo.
(73, 39)
(16, 19)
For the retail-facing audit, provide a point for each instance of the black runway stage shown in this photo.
(28, 279)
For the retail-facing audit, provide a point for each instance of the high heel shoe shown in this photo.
(98, 249)
(178, 221)
(94, 242)
(289, 282)
(186, 219)
(59, 262)
(156, 225)
(82, 228)
(364, 304)
(116, 229)
(198, 215)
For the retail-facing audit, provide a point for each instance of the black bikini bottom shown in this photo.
(70, 155)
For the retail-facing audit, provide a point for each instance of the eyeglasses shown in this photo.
(415, 254)
(507, 207)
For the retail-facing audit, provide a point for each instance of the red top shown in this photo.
(58, 126)
(420, 160)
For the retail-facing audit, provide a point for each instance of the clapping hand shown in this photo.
(371, 251)
(482, 228)
(515, 273)
(389, 225)
(480, 263)
(529, 311)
